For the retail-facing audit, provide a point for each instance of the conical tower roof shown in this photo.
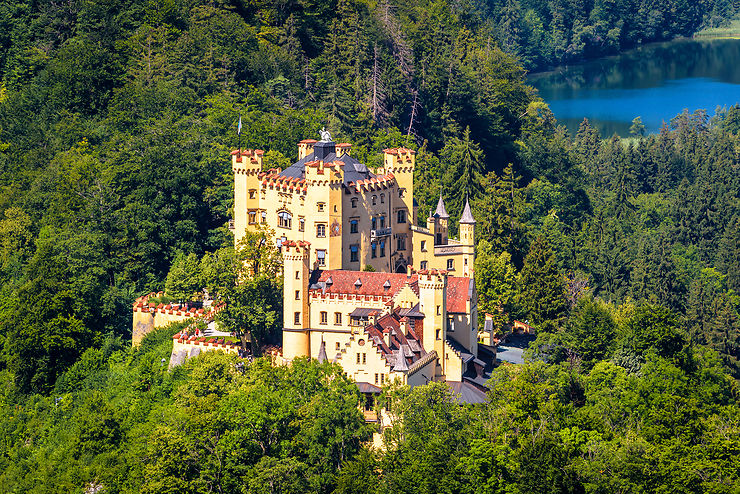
(441, 212)
(467, 216)
(322, 352)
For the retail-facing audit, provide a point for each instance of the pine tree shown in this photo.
(542, 286)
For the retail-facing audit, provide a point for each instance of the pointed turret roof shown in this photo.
(322, 352)
(467, 216)
(441, 212)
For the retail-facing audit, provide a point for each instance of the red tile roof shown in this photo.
(458, 288)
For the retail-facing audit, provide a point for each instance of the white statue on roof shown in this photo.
(325, 135)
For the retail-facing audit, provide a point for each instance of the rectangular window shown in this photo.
(297, 274)
(324, 317)
(263, 216)
(382, 248)
(439, 334)
(439, 310)
(338, 318)
(382, 379)
(252, 193)
(401, 216)
(358, 358)
(423, 245)
(354, 202)
(320, 230)
(320, 206)
(297, 294)
(301, 224)
(297, 318)
(252, 217)
(364, 358)
(321, 257)
(423, 265)
(401, 243)
(285, 219)
(337, 345)
(450, 264)
(353, 226)
(354, 253)
(382, 222)
(373, 250)
(376, 378)
(450, 324)
(374, 223)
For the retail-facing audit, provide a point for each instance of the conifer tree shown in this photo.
(542, 286)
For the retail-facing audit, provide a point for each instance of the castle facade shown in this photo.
(364, 286)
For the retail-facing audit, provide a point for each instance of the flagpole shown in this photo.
(239, 136)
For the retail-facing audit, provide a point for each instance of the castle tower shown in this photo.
(433, 301)
(441, 223)
(296, 341)
(305, 147)
(325, 177)
(467, 240)
(246, 165)
(401, 162)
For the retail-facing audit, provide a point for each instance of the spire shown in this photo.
(441, 212)
(322, 352)
(467, 216)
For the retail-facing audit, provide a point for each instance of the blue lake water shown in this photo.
(654, 82)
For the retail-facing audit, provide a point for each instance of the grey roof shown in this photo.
(465, 355)
(412, 312)
(467, 216)
(441, 212)
(414, 346)
(365, 387)
(488, 325)
(401, 365)
(353, 169)
(466, 392)
(322, 352)
(363, 312)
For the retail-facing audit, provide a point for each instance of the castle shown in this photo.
(364, 286)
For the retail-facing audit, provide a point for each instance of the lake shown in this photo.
(654, 82)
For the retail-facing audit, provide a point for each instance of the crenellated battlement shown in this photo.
(376, 183)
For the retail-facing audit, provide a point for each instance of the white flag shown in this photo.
(239, 129)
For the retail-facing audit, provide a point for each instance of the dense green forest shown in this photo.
(116, 121)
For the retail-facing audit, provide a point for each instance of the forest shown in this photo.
(116, 122)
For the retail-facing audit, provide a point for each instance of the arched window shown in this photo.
(375, 200)
(285, 219)
(382, 198)
(354, 202)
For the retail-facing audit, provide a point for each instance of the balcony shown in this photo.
(380, 232)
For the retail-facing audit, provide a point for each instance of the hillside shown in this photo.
(116, 123)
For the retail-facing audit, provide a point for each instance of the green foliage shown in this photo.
(542, 286)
